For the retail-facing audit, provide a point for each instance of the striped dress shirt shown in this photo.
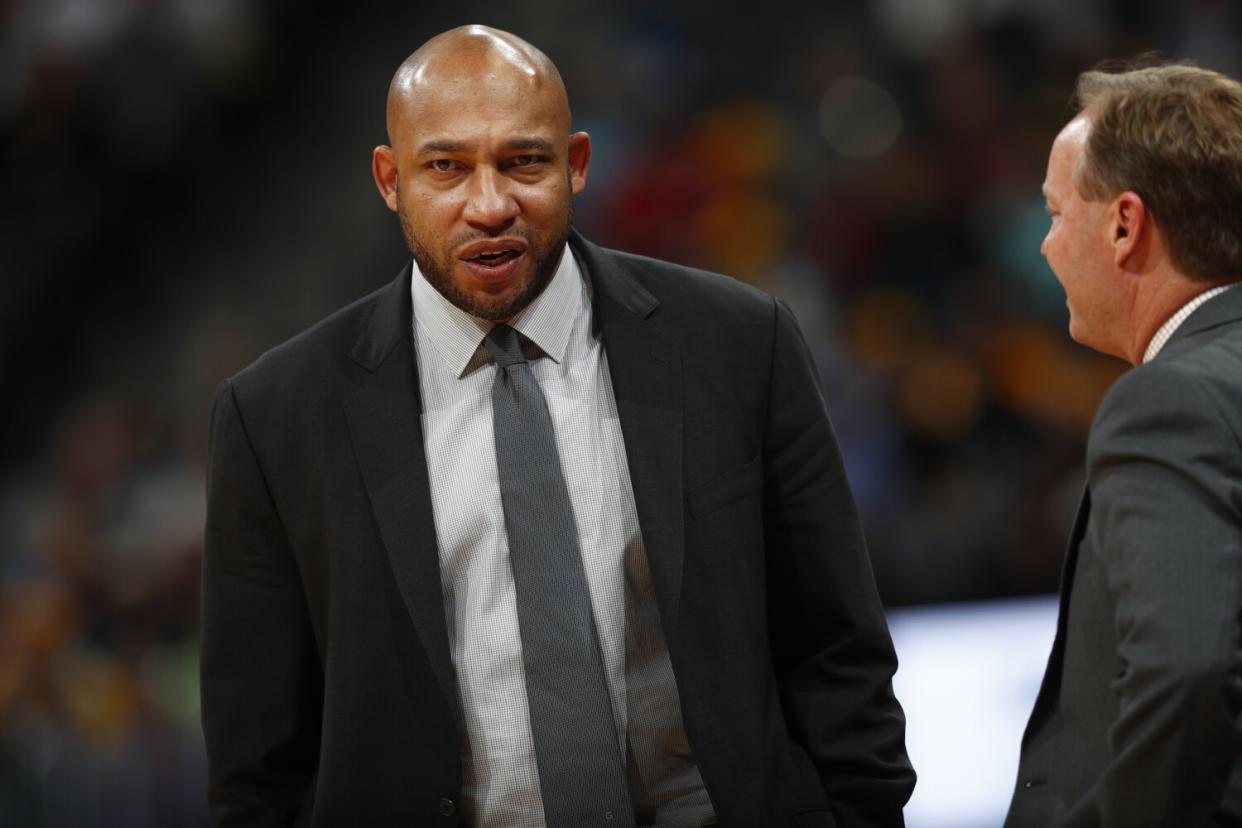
(501, 783)
(1175, 321)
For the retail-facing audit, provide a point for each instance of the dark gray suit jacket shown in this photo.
(1139, 719)
(329, 696)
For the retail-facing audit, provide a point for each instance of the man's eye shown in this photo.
(526, 160)
(443, 165)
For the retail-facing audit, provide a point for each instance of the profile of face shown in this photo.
(482, 168)
(1077, 246)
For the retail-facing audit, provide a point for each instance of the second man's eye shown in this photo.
(443, 165)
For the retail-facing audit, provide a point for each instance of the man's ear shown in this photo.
(1128, 226)
(384, 169)
(579, 161)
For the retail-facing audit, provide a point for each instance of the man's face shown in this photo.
(1077, 245)
(485, 169)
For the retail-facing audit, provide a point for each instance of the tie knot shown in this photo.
(503, 344)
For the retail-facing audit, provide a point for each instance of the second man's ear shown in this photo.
(384, 170)
(579, 160)
(1128, 223)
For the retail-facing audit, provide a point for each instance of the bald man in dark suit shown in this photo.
(370, 657)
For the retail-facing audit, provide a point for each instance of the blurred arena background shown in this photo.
(186, 184)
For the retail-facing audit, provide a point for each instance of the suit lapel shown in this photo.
(384, 414)
(1051, 684)
(645, 368)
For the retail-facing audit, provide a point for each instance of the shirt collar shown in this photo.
(1175, 321)
(457, 337)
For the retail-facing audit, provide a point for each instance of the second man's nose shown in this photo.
(490, 202)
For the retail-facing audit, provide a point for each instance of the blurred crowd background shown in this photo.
(186, 184)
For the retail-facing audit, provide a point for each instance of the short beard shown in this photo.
(500, 309)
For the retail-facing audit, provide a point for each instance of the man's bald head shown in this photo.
(482, 167)
(463, 57)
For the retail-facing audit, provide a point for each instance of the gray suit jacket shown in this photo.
(329, 693)
(1139, 719)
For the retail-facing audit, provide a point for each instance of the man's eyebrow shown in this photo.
(529, 144)
(443, 146)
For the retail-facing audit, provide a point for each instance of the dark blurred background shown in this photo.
(186, 184)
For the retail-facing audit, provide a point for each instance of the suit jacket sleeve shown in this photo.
(831, 647)
(261, 676)
(1166, 488)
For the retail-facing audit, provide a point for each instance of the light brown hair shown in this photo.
(1173, 135)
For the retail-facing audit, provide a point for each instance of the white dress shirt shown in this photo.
(1175, 321)
(501, 782)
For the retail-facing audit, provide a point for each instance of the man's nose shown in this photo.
(490, 204)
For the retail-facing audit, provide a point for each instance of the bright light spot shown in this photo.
(858, 118)
(967, 679)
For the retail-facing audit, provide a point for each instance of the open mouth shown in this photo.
(495, 258)
(493, 261)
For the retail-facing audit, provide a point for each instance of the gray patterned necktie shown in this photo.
(581, 768)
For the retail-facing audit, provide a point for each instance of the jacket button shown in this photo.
(447, 807)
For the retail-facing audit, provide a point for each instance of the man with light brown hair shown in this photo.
(1139, 719)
